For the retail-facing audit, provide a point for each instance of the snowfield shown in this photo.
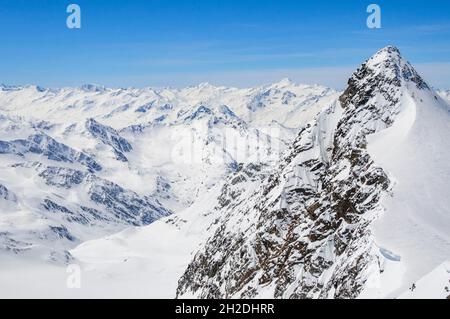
(414, 152)
(279, 191)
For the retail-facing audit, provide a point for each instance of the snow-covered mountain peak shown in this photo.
(90, 87)
(386, 54)
(389, 64)
(381, 83)
(389, 50)
(306, 231)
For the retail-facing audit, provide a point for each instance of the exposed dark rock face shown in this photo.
(304, 233)
(62, 232)
(62, 177)
(6, 194)
(8, 243)
(126, 206)
(118, 205)
(42, 144)
(111, 137)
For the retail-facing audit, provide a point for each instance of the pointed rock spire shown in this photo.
(385, 73)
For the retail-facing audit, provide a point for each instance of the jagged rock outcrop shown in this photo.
(42, 144)
(111, 137)
(304, 233)
(6, 194)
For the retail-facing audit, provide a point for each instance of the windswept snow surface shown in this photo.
(415, 151)
(435, 285)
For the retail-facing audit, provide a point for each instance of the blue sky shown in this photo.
(230, 42)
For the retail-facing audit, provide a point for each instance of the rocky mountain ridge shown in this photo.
(305, 232)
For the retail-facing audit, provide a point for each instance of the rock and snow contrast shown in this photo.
(280, 191)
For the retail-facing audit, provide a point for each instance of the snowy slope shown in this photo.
(312, 230)
(434, 285)
(445, 94)
(142, 253)
(139, 262)
(415, 152)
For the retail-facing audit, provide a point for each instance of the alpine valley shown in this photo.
(278, 191)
